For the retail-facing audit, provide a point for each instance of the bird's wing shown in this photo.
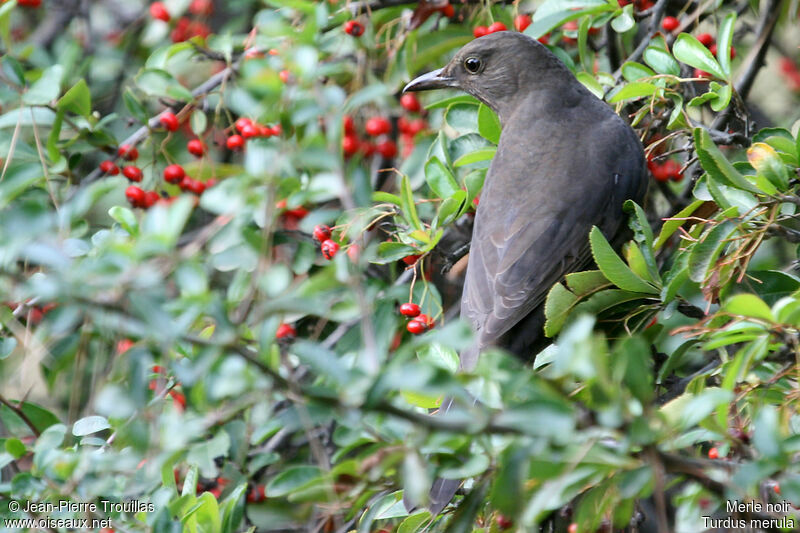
(532, 227)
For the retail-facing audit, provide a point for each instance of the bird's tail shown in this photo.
(443, 490)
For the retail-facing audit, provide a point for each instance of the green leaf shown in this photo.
(555, 13)
(724, 40)
(125, 217)
(687, 49)
(408, 206)
(393, 251)
(591, 83)
(633, 71)
(586, 282)
(160, 83)
(477, 156)
(89, 425)
(488, 124)
(439, 179)
(661, 61)
(46, 88)
(723, 98)
(447, 102)
(624, 21)
(583, 37)
(632, 91)
(557, 306)
(78, 99)
(717, 165)
(449, 208)
(414, 523)
(673, 223)
(387, 198)
(199, 122)
(769, 164)
(613, 267)
(748, 305)
(705, 253)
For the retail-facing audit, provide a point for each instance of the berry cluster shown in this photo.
(248, 129)
(480, 31)
(419, 323)
(185, 28)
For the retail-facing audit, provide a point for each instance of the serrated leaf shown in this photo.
(557, 306)
(717, 165)
(615, 268)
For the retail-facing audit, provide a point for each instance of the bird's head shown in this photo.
(496, 69)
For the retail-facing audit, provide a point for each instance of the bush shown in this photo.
(211, 211)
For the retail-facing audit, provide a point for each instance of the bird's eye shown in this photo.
(472, 64)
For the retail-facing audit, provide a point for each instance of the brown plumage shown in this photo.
(565, 162)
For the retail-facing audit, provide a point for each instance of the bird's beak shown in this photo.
(432, 80)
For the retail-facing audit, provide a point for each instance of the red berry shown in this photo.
(411, 259)
(367, 148)
(242, 122)
(354, 28)
(201, 7)
(409, 309)
(733, 52)
(410, 103)
(234, 142)
(128, 152)
(179, 399)
(197, 187)
(132, 172)
(777, 488)
(196, 147)
(425, 320)
(186, 183)
(159, 11)
(349, 125)
(29, 3)
(329, 249)
(415, 327)
(249, 130)
(322, 232)
(174, 174)
(277, 129)
(285, 331)
(701, 73)
(377, 126)
(522, 21)
(256, 494)
(573, 528)
(264, 131)
(350, 145)
(448, 11)
(417, 125)
(297, 212)
(670, 24)
(126, 344)
(353, 253)
(108, 167)
(387, 148)
(150, 198)
(713, 453)
(169, 120)
(503, 522)
(284, 75)
(495, 27)
(705, 39)
(135, 196)
(480, 31)
(544, 39)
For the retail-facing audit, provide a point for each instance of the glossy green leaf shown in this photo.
(78, 99)
(724, 41)
(613, 267)
(488, 124)
(689, 50)
(632, 91)
(440, 179)
(661, 61)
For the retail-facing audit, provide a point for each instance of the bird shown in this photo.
(565, 161)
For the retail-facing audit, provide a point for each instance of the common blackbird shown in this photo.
(565, 162)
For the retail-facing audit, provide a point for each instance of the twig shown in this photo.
(17, 409)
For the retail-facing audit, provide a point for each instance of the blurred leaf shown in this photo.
(78, 99)
(46, 88)
(724, 40)
(488, 124)
(632, 91)
(89, 425)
